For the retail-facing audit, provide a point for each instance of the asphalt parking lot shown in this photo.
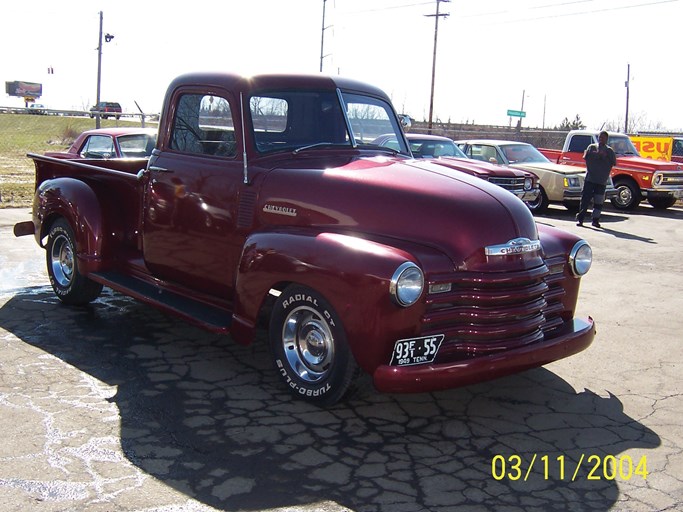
(117, 407)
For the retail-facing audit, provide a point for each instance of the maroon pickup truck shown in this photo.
(265, 200)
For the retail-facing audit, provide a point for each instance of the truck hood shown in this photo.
(415, 201)
(549, 166)
(647, 164)
(481, 169)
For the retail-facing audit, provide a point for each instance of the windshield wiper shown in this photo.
(317, 145)
(381, 148)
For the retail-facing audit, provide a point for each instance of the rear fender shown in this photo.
(75, 201)
(352, 274)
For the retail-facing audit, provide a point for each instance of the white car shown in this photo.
(559, 183)
(37, 108)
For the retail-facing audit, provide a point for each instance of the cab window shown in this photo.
(580, 143)
(203, 125)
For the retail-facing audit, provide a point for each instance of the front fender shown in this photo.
(78, 204)
(353, 274)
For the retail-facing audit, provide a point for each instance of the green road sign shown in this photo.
(516, 113)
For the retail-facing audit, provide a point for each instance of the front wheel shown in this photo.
(661, 203)
(309, 346)
(68, 283)
(628, 195)
(572, 206)
(540, 204)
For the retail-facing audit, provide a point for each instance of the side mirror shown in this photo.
(406, 122)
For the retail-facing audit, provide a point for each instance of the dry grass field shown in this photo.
(23, 133)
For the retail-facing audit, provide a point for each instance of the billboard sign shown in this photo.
(24, 89)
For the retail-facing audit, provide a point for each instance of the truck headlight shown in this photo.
(528, 183)
(407, 284)
(658, 180)
(580, 258)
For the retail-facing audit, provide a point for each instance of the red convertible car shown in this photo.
(111, 143)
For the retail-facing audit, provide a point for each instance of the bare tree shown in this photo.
(637, 122)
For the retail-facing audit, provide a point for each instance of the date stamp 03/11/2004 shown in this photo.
(588, 467)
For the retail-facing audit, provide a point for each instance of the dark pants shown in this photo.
(595, 193)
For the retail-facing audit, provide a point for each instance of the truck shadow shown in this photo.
(209, 418)
(609, 221)
(675, 212)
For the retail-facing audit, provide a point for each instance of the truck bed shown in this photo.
(117, 184)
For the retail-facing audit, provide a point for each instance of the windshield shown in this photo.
(137, 146)
(434, 148)
(622, 145)
(523, 153)
(300, 120)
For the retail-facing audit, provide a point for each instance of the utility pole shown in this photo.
(436, 36)
(322, 38)
(627, 84)
(107, 38)
(99, 76)
(519, 121)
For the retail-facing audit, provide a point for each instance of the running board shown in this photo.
(193, 311)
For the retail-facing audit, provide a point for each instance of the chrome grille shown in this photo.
(511, 184)
(672, 179)
(484, 313)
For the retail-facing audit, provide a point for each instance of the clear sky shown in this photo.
(566, 57)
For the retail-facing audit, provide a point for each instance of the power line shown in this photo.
(567, 14)
(393, 7)
(508, 11)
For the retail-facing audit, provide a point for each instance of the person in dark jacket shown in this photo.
(600, 159)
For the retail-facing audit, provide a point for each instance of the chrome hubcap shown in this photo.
(62, 261)
(624, 195)
(308, 344)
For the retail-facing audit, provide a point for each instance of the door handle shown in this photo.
(156, 168)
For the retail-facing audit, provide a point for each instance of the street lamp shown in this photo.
(107, 39)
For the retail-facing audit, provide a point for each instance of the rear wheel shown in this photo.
(309, 346)
(661, 203)
(62, 267)
(628, 195)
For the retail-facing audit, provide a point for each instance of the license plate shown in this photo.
(416, 350)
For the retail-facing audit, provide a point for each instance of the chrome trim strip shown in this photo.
(516, 246)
